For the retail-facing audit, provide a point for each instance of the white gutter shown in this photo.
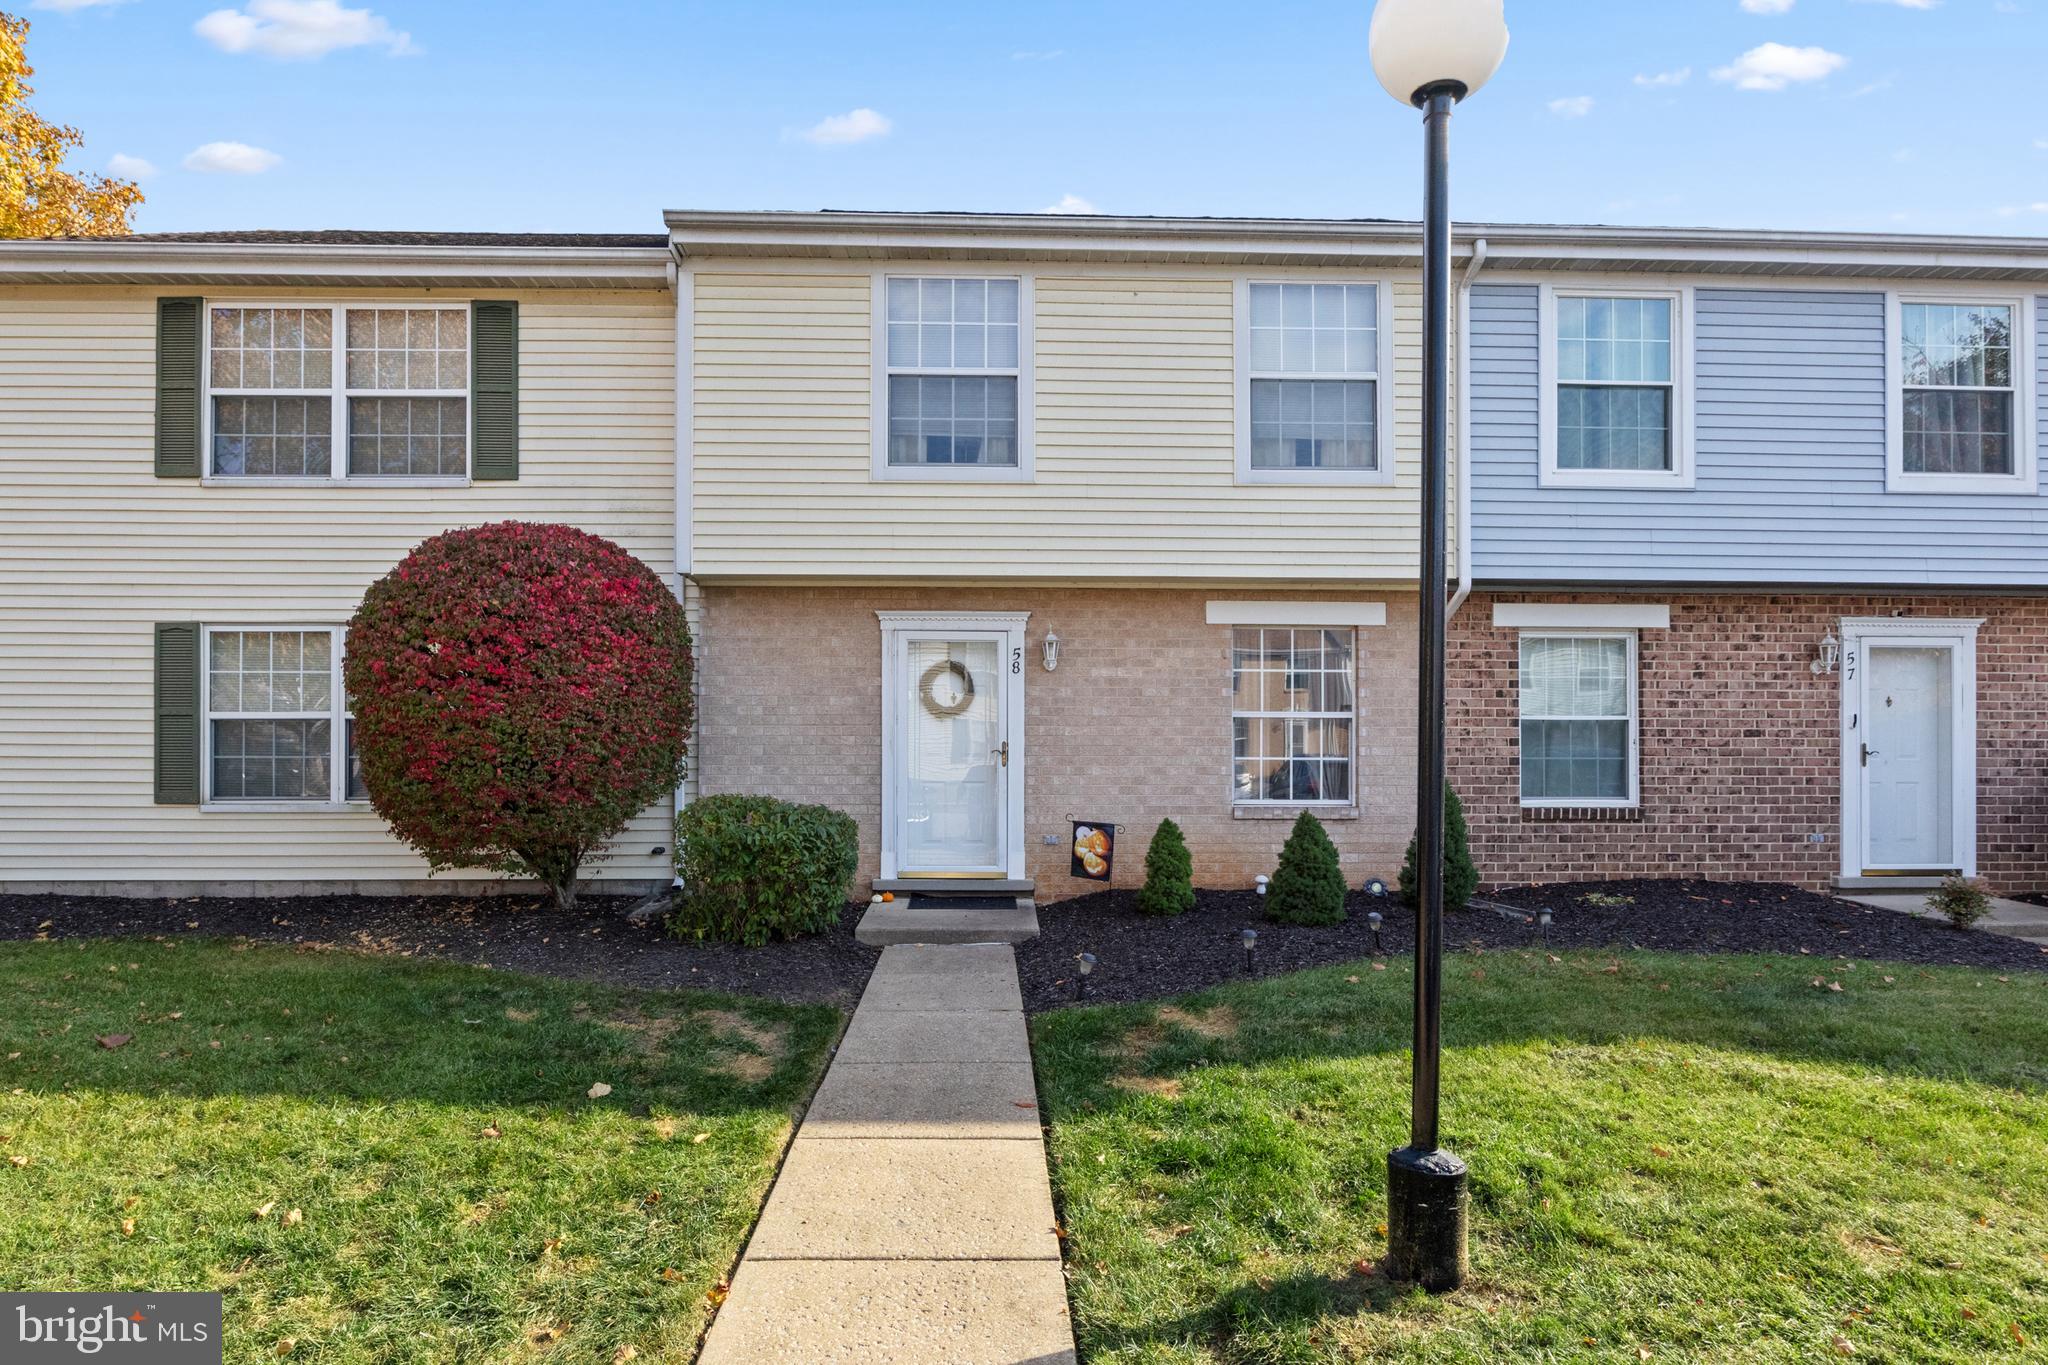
(682, 279)
(1472, 268)
(143, 261)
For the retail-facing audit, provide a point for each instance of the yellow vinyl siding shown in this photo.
(1135, 413)
(97, 550)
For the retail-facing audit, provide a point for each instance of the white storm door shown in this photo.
(1908, 756)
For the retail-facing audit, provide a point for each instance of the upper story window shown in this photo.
(1613, 402)
(955, 365)
(337, 392)
(1291, 715)
(1961, 398)
(1312, 403)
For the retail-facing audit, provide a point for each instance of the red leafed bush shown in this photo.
(521, 691)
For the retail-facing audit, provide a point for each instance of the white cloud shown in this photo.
(1767, 6)
(1666, 78)
(2015, 210)
(1773, 66)
(1572, 106)
(1071, 203)
(1050, 54)
(855, 125)
(230, 158)
(125, 167)
(300, 30)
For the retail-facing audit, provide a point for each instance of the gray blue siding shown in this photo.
(1789, 463)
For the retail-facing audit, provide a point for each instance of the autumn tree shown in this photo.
(38, 197)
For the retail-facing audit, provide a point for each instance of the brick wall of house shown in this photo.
(1741, 742)
(1134, 725)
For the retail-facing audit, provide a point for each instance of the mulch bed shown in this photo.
(515, 933)
(1141, 957)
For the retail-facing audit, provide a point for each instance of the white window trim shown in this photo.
(1354, 801)
(340, 714)
(1567, 616)
(1634, 799)
(337, 392)
(1304, 614)
(879, 468)
(1382, 377)
(2025, 439)
(1680, 475)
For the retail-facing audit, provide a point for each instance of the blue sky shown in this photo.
(1904, 115)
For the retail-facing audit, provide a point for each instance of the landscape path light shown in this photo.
(1431, 54)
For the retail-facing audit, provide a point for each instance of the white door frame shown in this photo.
(898, 628)
(1959, 637)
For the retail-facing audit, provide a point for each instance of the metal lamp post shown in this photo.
(1431, 54)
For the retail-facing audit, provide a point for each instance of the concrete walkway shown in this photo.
(913, 1220)
(2015, 919)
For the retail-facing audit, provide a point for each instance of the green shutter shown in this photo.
(494, 390)
(177, 715)
(177, 388)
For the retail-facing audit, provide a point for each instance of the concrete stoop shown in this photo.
(2014, 919)
(912, 1221)
(919, 918)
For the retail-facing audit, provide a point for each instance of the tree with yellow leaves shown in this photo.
(38, 197)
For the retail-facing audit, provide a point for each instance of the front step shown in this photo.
(1887, 885)
(949, 919)
(946, 888)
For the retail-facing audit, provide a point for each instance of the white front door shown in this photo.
(952, 746)
(1909, 746)
(1908, 758)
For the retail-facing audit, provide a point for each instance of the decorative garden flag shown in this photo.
(1094, 851)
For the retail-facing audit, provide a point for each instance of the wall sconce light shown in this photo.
(1050, 652)
(1829, 651)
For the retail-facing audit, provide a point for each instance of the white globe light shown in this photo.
(1420, 43)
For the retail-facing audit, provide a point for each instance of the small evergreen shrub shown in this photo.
(1308, 886)
(1169, 873)
(1461, 875)
(756, 869)
(1960, 901)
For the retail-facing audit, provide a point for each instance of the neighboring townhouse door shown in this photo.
(1909, 744)
(953, 752)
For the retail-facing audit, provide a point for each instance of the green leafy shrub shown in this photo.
(1461, 875)
(1169, 873)
(756, 869)
(1308, 886)
(1960, 901)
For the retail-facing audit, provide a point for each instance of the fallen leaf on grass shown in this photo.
(653, 1198)
(490, 1130)
(624, 1354)
(1642, 1353)
(599, 1091)
(1352, 980)
(1970, 1313)
(131, 1201)
(1383, 1229)
(1844, 1346)
(264, 1212)
(284, 1346)
(1379, 966)
(669, 1272)
(541, 1336)
(110, 1041)
(17, 1160)
(1664, 1152)
(2019, 1338)
(716, 1294)
(1365, 1268)
(127, 1227)
(293, 1218)
(701, 1137)
(1024, 1104)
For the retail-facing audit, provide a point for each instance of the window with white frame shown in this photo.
(953, 351)
(1614, 409)
(353, 391)
(1578, 712)
(1292, 713)
(1313, 374)
(1958, 393)
(277, 726)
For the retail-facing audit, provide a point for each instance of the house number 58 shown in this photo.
(1016, 661)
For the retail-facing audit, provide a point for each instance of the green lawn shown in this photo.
(384, 1160)
(1706, 1159)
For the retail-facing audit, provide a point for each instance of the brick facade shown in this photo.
(1134, 725)
(1741, 749)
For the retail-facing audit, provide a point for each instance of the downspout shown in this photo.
(682, 283)
(1472, 268)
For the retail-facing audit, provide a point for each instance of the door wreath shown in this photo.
(927, 694)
